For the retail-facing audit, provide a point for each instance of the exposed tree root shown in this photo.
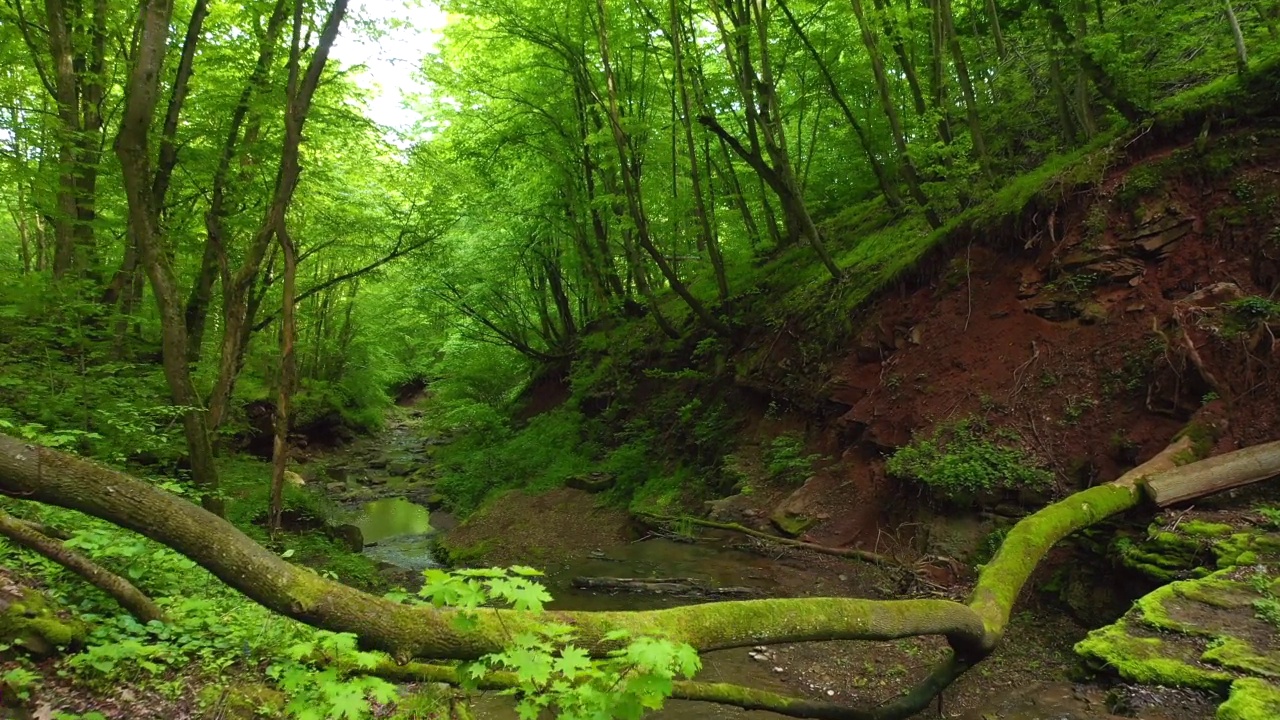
(854, 553)
(129, 597)
(408, 632)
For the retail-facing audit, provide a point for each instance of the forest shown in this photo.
(838, 359)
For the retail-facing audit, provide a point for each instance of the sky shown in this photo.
(407, 30)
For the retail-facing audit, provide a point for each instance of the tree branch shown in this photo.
(129, 597)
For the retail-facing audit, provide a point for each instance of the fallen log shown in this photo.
(678, 587)
(130, 598)
(1214, 475)
(853, 553)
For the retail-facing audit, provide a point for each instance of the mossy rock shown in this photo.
(241, 701)
(1251, 699)
(30, 622)
(1150, 660)
(791, 524)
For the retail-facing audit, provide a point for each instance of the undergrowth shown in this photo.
(965, 458)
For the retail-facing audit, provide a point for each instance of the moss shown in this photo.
(1251, 699)
(1148, 660)
(1152, 609)
(791, 524)
(1001, 580)
(240, 701)
(32, 623)
(1203, 437)
(462, 555)
(1236, 654)
(1199, 528)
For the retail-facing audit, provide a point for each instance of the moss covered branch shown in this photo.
(129, 597)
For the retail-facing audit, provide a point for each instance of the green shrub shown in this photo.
(962, 459)
(786, 460)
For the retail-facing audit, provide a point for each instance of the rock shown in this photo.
(1116, 272)
(28, 622)
(378, 462)
(334, 488)
(1082, 257)
(1057, 308)
(337, 473)
(791, 524)
(399, 468)
(435, 501)
(240, 701)
(591, 482)
(1092, 313)
(294, 478)
(1158, 236)
(348, 535)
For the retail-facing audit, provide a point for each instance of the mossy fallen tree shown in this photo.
(28, 535)
(407, 633)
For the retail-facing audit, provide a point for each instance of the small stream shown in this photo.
(398, 533)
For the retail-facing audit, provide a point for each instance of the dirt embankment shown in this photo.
(1130, 310)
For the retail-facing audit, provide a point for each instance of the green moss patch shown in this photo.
(1151, 660)
(30, 622)
(1251, 699)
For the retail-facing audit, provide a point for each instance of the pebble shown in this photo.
(777, 669)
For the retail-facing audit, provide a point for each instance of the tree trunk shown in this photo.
(631, 189)
(993, 17)
(904, 60)
(406, 631)
(937, 72)
(890, 109)
(1242, 54)
(132, 146)
(888, 186)
(288, 378)
(706, 237)
(966, 88)
(1102, 80)
(1060, 101)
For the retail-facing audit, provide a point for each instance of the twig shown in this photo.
(853, 553)
(968, 281)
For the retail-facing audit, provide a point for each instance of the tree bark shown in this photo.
(707, 238)
(966, 88)
(1242, 53)
(288, 378)
(1102, 79)
(133, 148)
(631, 189)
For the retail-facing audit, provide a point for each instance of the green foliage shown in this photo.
(324, 678)
(541, 455)
(1270, 515)
(552, 672)
(786, 460)
(1248, 313)
(965, 458)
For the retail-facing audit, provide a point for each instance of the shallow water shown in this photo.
(379, 520)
